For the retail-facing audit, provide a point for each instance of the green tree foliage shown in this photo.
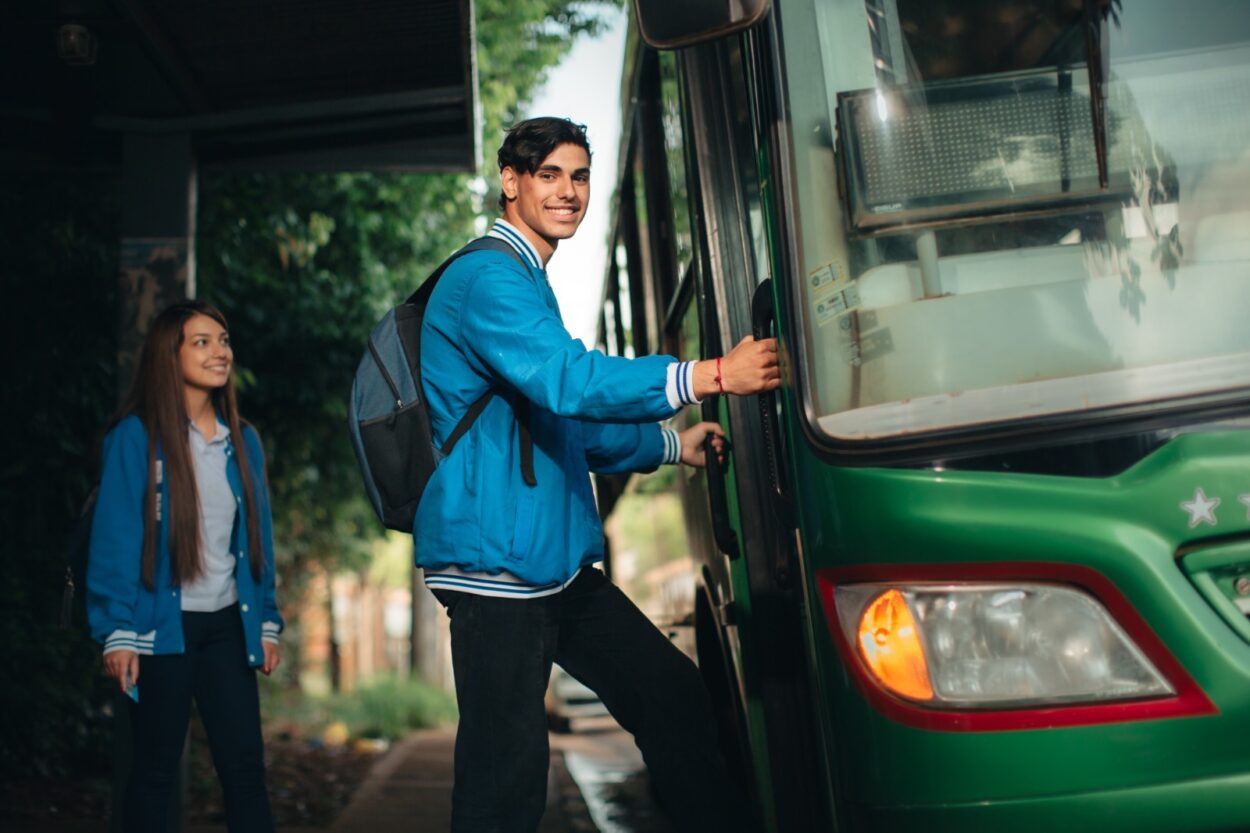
(518, 42)
(302, 266)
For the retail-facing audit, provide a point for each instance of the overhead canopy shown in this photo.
(264, 84)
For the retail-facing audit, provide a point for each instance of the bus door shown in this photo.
(754, 580)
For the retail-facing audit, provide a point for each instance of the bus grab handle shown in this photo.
(722, 530)
(763, 315)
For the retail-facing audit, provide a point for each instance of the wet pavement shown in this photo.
(607, 768)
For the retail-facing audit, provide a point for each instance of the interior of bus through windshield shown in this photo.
(1011, 209)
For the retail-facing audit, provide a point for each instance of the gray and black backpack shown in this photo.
(388, 415)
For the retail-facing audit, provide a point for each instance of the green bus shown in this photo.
(983, 563)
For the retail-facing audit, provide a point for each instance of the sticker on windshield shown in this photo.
(823, 279)
(833, 305)
(831, 292)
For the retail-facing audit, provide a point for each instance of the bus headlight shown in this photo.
(994, 646)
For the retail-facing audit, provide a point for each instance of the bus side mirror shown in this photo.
(666, 24)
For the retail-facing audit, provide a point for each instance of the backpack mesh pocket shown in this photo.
(400, 480)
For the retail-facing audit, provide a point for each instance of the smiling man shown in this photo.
(507, 530)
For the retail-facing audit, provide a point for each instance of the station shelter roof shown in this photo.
(257, 84)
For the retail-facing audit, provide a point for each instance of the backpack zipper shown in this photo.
(399, 401)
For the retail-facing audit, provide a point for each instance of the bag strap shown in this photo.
(475, 411)
(482, 244)
(522, 410)
(421, 298)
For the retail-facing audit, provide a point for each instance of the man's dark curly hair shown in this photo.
(529, 142)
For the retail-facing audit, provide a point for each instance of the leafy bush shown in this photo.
(388, 706)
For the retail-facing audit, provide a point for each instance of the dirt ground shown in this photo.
(308, 787)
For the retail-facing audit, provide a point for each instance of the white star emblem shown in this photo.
(1246, 500)
(1201, 509)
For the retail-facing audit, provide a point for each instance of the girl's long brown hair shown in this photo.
(156, 397)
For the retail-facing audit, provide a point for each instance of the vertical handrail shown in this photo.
(763, 315)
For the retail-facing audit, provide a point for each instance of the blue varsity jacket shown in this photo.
(493, 322)
(122, 612)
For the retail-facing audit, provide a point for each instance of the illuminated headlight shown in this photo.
(994, 646)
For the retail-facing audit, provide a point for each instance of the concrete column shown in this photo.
(157, 267)
(157, 236)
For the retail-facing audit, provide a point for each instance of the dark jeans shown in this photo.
(213, 669)
(502, 650)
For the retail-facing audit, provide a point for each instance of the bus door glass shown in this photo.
(674, 157)
(650, 544)
(681, 325)
(1013, 210)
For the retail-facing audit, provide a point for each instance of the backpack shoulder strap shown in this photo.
(481, 244)
(421, 297)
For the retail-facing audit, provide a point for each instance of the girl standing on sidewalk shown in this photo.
(180, 576)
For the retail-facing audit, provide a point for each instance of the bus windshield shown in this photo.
(1013, 209)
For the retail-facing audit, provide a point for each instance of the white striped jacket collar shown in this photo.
(504, 230)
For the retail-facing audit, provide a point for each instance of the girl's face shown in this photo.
(205, 354)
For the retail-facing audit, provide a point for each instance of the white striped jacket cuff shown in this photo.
(120, 640)
(269, 632)
(680, 385)
(672, 447)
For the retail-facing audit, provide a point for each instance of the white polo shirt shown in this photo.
(215, 588)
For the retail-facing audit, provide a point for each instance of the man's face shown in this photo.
(548, 205)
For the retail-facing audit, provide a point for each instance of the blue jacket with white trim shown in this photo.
(121, 611)
(492, 322)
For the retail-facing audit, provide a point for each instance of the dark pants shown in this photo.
(214, 670)
(502, 650)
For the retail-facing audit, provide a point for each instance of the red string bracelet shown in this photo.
(719, 384)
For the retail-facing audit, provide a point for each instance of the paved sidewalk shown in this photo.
(407, 791)
(410, 790)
